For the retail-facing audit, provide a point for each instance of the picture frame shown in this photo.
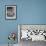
(10, 12)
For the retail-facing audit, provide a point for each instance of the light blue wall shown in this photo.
(28, 12)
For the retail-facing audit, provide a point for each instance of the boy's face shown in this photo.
(10, 11)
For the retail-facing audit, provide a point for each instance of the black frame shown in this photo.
(6, 10)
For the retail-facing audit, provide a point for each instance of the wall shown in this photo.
(28, 12)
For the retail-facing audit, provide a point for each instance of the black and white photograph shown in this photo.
(10, 12)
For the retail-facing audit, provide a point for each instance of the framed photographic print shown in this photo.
(10, 12)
